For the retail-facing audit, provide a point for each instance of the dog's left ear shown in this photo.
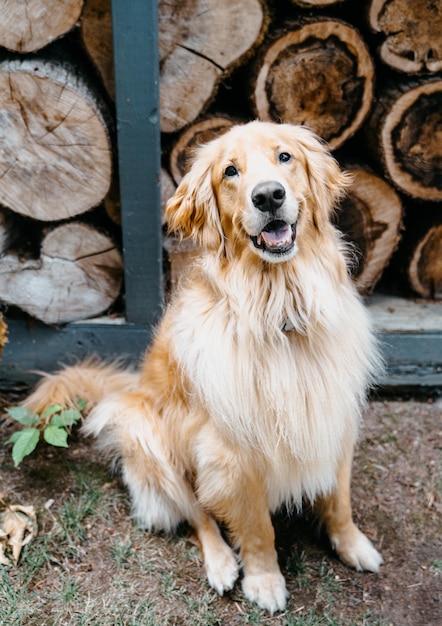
(327, 181)
(192, 212)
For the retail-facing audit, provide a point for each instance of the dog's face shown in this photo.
(261, 188)
(253, 188)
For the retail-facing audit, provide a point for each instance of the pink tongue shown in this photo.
(280, 237)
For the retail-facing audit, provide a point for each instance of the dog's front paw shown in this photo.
(355, 550)
(267, 590)
(222, 571)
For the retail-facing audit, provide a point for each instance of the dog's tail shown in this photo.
(89, 381)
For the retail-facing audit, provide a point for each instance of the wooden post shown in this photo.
(137, 82)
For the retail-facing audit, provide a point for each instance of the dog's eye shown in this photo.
(230, 171)
(285, 157)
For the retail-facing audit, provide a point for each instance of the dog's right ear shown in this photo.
(192, 212)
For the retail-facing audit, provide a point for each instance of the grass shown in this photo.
(140, 587)
(141, 580)
(89, 564)
(17, 605)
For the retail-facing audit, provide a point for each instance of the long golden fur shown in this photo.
(250, 395)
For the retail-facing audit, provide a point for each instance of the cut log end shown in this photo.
(56, 156)
(337, 96)
(412, 141)
(411, 30)
(77, 276)
(198, 134)
(370, 216)
(425, 269)
(31, 25)
(196, 52)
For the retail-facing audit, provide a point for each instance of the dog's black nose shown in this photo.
(268, 196)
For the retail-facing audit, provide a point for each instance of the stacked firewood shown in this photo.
(366, 78)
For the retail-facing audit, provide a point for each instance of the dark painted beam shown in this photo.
(45, 349)
(135, 35)
(413, 360)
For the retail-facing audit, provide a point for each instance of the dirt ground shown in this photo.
(90, 565)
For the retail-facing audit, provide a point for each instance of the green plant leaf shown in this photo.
(50, 410)
(67, 417)
(56, 436)
(80, 404)
(22, 414)
(25, 443)
(13, 438)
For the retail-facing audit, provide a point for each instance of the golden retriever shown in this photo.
(250, 396)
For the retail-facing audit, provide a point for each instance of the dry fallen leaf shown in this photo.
(18, 526)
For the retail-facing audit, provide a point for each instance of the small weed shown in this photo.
(75, 510)
(53, 424)
(35, 556)
(389, 439)
(297, 566)
(169, 585)
(329, 582)
(143, 613)
(121, 552)
(201, 610)
(17, 604)
(69, 590)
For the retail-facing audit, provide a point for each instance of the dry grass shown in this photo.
(90, 565)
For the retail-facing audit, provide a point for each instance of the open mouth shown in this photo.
(277, 237)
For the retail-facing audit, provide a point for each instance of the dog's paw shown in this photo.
(355, 550)
(222, 571)
(267, 590)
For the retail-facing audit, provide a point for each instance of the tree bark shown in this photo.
(78, 275)
(201, 42)
(56, 153)
(31, 25)
(319, 74)
(425, 266)
(96, 33)
(412, 33)
(404, 135)
(370, 216)
(199, 133)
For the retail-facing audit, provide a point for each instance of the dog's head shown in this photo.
(260, 187)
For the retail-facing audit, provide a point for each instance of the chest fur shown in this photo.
(299, 391)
